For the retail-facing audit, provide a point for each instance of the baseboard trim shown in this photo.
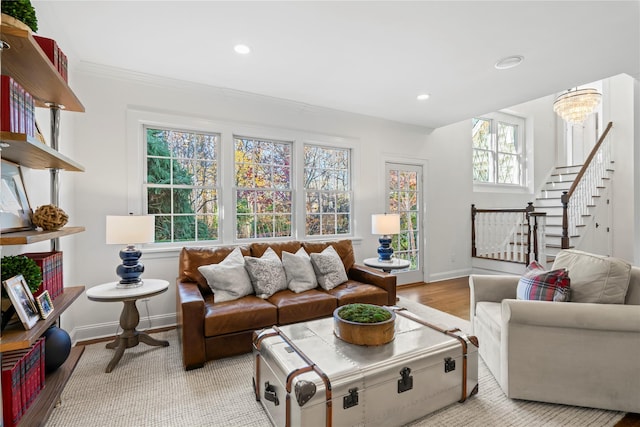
(109, 329)
(453, 274)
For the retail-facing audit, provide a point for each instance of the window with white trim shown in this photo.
(499, 155)
(181, 184)
(263, 194)
(208, 182)
(327, 188)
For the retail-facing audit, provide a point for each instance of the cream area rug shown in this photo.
(149, 387)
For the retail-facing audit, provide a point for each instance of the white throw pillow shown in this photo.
(300, 274)
(595, 278)
(266, 273)
(329, 268)
(228, 279)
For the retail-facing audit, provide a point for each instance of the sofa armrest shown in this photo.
(491, 288)
(603, 317)
(372, 276)
(190, 311)
(571, 353)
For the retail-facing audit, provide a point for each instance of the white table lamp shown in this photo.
(130, 230)
(385, 225)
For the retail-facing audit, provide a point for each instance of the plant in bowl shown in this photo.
(23, 11)
(364, 324)
(12, 266)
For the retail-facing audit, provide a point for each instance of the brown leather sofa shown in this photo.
(210, 330)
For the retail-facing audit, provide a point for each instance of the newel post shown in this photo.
(473, 231)
(564, 241)
(528, 210)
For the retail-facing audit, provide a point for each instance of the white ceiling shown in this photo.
(371, 58)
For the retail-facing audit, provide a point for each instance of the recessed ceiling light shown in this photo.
(242, 49)
(423, 97)
(509, 62)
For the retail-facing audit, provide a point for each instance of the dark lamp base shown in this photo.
(385, 251)
(130, 269)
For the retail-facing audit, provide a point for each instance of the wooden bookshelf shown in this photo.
(34, 236)
(15, 337)
(28, 151)
(27, 63)
(41, 408)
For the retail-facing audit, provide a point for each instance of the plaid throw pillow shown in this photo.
(538, 284)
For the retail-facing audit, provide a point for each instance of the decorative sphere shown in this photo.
(57, 347)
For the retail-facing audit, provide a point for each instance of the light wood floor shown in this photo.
(452, 296)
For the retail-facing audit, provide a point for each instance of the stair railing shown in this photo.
(576, 201)
(513, 235)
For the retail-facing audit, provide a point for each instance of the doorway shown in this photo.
(404, 189)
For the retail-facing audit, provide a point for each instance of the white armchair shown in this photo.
(583, 354)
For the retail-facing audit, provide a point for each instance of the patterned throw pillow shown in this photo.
(300, 274)
(329, 268)
(538, 284)
(228, 279)
(267, 274)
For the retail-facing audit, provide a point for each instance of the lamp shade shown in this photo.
(385, 224)
(130, 229)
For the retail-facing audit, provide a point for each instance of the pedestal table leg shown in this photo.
(130, 337)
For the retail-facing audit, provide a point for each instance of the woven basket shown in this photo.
(49, 217)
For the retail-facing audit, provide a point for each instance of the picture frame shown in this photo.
(15, 210)
(45, 305)
(22, 300)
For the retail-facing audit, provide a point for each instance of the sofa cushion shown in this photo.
(595, 278)
(538, 284)
(194, 257)
(308, 305)
(267, 274)
(300, 274)
(329, 269)
(228, 279)
(259, 248)
(243, 314)
(352, 292)
(344, 248)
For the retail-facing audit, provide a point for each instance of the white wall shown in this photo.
(98, 140)
(100, 145)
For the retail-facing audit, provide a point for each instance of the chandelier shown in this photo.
(574, 106)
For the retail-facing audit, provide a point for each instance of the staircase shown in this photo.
(550, 202)
(565, 215)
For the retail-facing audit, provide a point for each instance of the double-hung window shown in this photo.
(181, 185)
(327, 190)
(498, 149)
(208, 182)
(263, 205)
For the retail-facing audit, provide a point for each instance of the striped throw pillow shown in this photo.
(541, 285)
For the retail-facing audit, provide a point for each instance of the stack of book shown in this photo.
(55, 54)
(17, 108)
(23, 373)
(51, 265)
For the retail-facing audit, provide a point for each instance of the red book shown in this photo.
(50, 48)
(8, 98)
(48, 263)
(11, 396)
(42, 365)
(17, 357)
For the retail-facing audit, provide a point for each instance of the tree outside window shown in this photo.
(181, 184)
(498, 150)
(263, 188)
(327, 186)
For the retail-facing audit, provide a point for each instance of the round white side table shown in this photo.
(130, 317)
(387, 266)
